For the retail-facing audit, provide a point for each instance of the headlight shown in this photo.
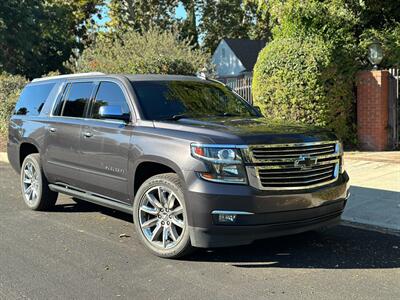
(224, 163)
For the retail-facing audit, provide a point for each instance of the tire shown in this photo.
(39, 196)
(162, 225)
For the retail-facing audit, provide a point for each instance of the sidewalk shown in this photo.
(375, 189)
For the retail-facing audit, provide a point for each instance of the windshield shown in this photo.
(163, 100)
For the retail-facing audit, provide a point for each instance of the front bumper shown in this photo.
(272, 213)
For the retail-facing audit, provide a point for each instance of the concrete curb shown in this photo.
(3, 157)
(370, 227)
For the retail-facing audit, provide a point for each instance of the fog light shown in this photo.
(226, 218)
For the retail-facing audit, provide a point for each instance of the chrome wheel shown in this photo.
(161, 217)
(31, 183)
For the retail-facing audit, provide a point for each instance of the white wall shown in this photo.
(225, 61)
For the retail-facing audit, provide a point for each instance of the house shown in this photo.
(235, 58)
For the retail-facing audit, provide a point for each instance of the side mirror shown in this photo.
(113, 112)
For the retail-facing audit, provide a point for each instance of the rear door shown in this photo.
(105, 144)
(63, 134)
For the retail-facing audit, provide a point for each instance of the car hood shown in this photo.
(249, 130)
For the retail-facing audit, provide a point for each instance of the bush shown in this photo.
(155, 51)
(307, 80)
(10, 88)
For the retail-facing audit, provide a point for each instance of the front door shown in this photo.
(105, 145)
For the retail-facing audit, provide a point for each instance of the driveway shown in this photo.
(375, 189)
(82, 251)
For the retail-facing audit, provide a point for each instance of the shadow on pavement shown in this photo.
(81, 206)
(342, 247)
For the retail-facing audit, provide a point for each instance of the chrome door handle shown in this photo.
(87, 134)
(52, 129)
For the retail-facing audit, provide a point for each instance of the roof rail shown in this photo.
(67, 75)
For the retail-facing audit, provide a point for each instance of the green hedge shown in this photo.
(10, 88)
(154, 51)
(306, 80)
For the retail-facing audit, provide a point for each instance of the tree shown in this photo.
(154, 51)
(231, 19)
(141, 15)
(38, 36)
(352, 23)
(189, 26)
(374, 14)
(206, 22)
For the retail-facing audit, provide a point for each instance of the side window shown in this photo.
(109, 94)
(60, 101)
(32, 99)
(77, 99)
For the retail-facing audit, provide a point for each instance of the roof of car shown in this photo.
(137, 77)
(155, 77)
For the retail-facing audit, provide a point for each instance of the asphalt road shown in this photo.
(76, 252)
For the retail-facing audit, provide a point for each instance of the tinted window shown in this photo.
(109, 94)
(77, 99)
(33, 98)
(165, 99)
(60, 101)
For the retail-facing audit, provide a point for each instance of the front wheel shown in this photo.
(160, 217)
(34, 185)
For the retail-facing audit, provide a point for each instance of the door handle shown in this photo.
(52, 129)
(87, 134)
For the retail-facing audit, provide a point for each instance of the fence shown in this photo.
(242, 86)
(394, 108)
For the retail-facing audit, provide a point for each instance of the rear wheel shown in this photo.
(34, 185)
(160, 216)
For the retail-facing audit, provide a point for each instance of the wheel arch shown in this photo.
(25, 148)
(157, 165)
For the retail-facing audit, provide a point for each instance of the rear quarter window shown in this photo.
(32, 99)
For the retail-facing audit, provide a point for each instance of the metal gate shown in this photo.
(242, 86)
(394, 108)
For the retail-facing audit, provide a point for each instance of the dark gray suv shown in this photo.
(192, 161)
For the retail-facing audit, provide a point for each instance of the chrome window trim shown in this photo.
(96, 81)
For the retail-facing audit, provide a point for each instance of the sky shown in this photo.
(180, 13)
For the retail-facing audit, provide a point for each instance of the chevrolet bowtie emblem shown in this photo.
(305, 162)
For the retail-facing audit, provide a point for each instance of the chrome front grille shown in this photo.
(292, 150)
(295, 166)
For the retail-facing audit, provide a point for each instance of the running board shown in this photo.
(91, 198)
